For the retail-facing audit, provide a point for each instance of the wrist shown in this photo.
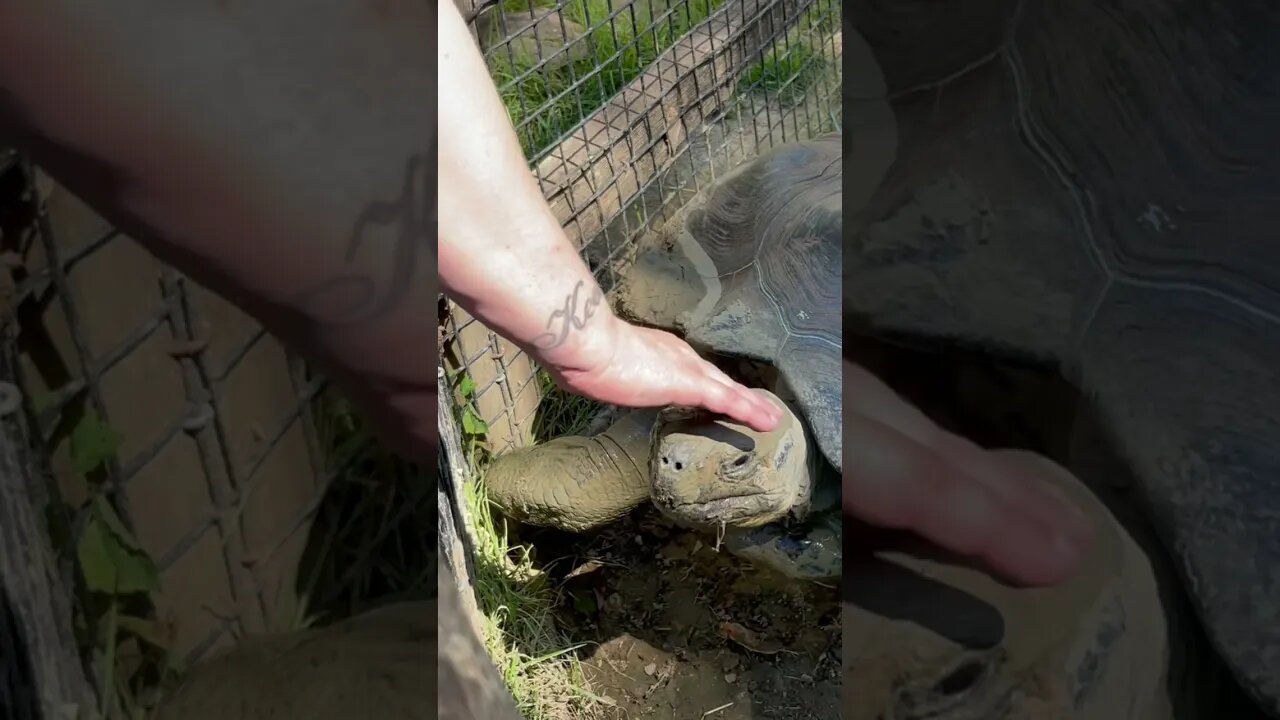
(582, 349)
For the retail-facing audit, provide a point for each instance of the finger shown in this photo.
(1021, 485)
(711, 388)
(761, 401)
(1027, 493)
(893, 481)
(738, 403)
(875, 399)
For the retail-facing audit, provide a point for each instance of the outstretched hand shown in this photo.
(903, 471)
(641, 367)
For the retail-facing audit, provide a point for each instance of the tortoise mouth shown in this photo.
(740, 511)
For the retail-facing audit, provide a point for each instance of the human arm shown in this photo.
(505, 258)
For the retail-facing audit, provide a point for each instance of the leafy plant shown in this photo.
(110, 559)
(475, 430)
(117, 580)
(92, 443)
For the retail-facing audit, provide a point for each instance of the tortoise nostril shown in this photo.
(679, 466)
(665, 461)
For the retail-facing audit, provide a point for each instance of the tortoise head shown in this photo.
(709, 472)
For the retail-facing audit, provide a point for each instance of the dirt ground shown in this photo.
(680, 630)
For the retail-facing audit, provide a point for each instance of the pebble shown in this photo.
(730, 678)
(650, 669)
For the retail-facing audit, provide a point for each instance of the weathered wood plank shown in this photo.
(41, 675)
(468, 683)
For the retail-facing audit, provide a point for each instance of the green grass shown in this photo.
(517, 602)
(374, 536)
(796, 61)
(544, 102)
(549, 101)
(788, 71)
(537, 662)
(560, 412)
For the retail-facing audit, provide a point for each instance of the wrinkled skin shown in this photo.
(576, 483)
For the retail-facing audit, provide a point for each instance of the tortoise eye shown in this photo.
(742, 460)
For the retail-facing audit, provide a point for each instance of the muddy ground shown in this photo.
(682, 631)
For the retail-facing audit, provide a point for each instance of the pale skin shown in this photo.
(280, 154)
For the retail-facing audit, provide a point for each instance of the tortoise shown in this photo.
(748, 270)
(1093, 186)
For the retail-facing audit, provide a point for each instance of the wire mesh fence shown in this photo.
(626, 109)
(166, 463)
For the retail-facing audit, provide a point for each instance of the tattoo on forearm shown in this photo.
(358, 296)
(573, 315)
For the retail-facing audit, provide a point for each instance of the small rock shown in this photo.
(730, 678)
(639, 540)
(650, 669)
(806, 678)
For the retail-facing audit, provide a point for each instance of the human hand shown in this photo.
(639, 367)
(902, 471)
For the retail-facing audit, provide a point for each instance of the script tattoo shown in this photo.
(357, 296)
(569, 317)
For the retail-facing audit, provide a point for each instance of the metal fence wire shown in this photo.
(155, 440)
(626, 109)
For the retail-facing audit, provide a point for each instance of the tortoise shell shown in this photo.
(1097, 185)
(766, 244)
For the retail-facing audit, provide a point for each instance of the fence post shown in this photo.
(41, 673)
